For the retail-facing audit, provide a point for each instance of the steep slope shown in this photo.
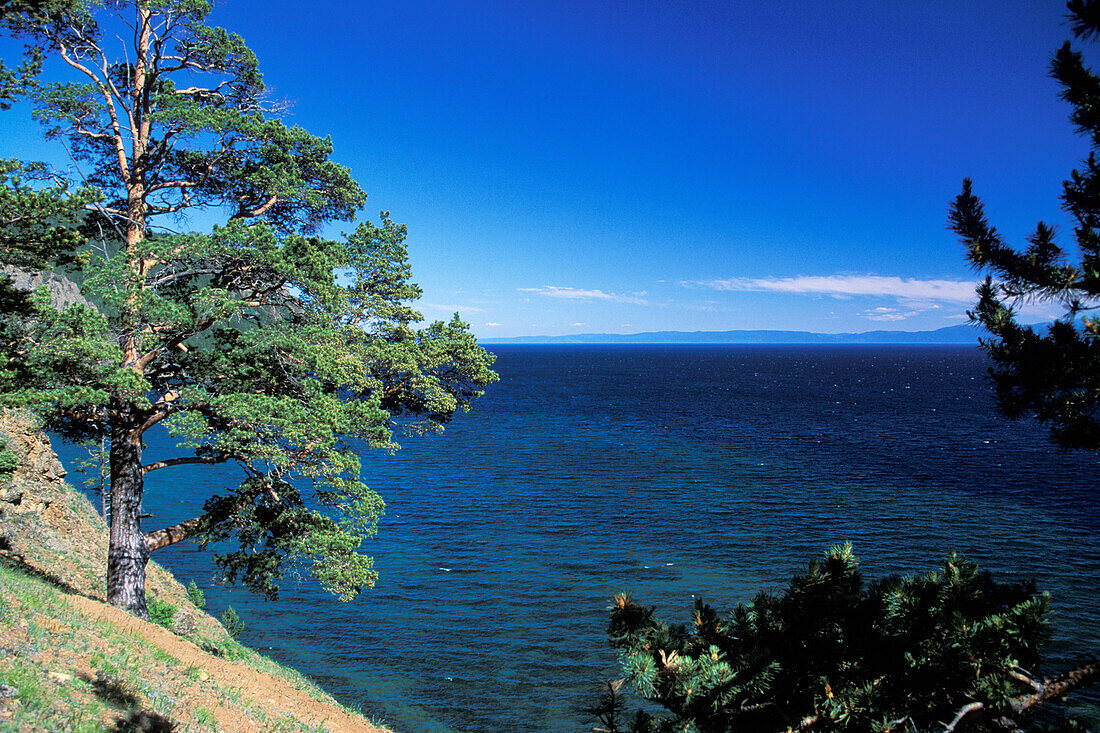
(70, 662)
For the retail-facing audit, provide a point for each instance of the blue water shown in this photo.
(668, 472)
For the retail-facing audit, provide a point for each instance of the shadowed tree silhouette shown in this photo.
(1052, 376)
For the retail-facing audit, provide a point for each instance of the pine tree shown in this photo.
(259, 343)
(1055, 376)
(948, 650)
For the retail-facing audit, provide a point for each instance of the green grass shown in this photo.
(41, 598)
(205, 718)
(29, 685)
(129, 674)
(45, 702)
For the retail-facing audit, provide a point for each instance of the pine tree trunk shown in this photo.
(128, 554)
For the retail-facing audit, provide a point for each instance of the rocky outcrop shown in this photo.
(54, 530)
(63, 291)
(36, 460)
(43, 522)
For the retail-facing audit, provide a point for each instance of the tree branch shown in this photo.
(1020, 676)
(158, 416)
(115, 93)
(1058, 687)
(190, 527)
(964, 711)
(171, 535)
(120, 148)
(94, 135)
(258, 210)
(203, 90)
(170, 278)
(169, 209)
(184, 460)
(808, 722)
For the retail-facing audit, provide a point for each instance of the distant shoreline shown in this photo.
(495, 344)
(962, 335)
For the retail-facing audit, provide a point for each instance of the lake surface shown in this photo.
(669, 472)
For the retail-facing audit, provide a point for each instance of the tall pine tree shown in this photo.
(259, 343)
(1053, 376)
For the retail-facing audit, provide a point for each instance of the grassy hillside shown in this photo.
(69, 662)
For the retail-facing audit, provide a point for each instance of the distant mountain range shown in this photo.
(964, 334)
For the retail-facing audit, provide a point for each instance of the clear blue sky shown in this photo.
(623, 166)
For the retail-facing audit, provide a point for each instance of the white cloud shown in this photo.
(846, 286)
(451, 308)
(578, 324)
(921, 305)
(708, 307)
(555, 291)
(887, 314)
(492, 323)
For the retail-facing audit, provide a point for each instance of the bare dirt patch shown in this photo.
(268, 691)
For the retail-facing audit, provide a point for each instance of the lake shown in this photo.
(670, 472)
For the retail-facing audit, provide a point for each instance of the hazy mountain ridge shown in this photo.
(962, 334)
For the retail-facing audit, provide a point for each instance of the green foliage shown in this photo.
(232, 622)
(1054, 377)
(162, 612)
(16, 83)
(37, 212)
(833, 653)
(194, 592)
(8, 461)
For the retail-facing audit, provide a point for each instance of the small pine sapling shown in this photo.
(232, 622)
(194, 592)
(835, 653)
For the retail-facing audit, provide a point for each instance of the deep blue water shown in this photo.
(668, 472)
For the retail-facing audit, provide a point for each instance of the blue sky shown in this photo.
(623, 166)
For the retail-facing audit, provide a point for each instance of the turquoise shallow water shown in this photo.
(667, 472)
